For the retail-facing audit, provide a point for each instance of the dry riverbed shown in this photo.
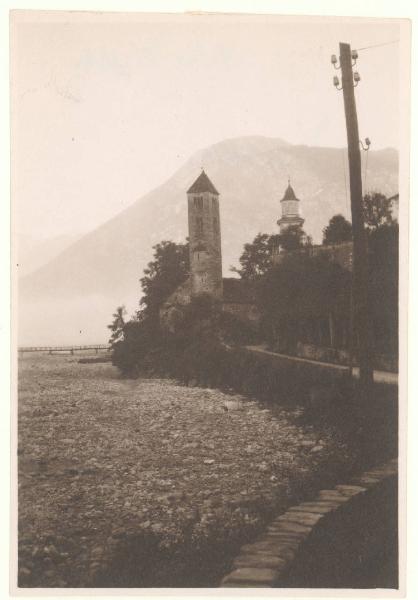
(146, 482)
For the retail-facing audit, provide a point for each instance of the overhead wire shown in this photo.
(367, 153)
(377, 45)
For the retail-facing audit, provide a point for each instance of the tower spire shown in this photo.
(202, 184)
(290, 209)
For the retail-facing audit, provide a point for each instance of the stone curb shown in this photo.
(264, 562)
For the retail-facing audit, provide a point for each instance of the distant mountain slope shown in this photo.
(86, 281)
(33, 253)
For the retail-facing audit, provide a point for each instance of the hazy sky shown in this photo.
(106, 107)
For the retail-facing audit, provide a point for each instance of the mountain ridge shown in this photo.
(103, 268)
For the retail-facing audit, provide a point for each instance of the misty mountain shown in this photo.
(71, 298)
(33, 253)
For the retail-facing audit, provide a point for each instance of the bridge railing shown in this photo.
(71, 349)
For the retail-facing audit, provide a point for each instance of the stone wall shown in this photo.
(346, 537)
(341, 254)
(342, 357)
(332, 355)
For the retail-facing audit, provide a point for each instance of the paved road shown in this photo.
(378, 376)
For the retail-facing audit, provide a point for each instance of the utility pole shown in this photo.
(362, 325)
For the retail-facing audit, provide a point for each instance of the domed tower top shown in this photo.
(290, 210)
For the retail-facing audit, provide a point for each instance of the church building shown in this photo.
(236, 295)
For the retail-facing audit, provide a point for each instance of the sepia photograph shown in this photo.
(209, 239)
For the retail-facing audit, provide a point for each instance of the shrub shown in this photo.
(237, 331)
(139, 337)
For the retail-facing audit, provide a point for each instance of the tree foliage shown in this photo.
(139, 338)
(304, 287)
(377, 210)
(256, 258)
(117, 325)
(163, 275)
(132, 341)
(383, 286)
(301, 288)
(337, 231)
(293, 238)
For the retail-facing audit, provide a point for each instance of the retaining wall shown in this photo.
(347, 537)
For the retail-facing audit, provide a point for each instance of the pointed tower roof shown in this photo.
(289, 194)
(202, 184)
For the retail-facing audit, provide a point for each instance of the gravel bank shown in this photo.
(112, 468)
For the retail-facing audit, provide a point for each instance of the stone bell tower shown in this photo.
(204, 238)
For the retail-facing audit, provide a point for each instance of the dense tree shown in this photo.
(383, 282)
(300, 292)
(140, 337)
(134, 340)
(163, 275)
(383, 251)
(199, 319)
(117, 325)
(256, 259)
(338, 230)
(293, 238)
(377, 210)
(304, 286)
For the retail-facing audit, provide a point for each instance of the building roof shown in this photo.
(239, 291)
(289, 194)
(202, 184)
